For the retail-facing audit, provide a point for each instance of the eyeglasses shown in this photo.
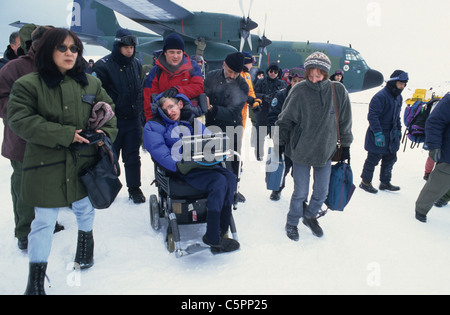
(273, 71)
(63, 48)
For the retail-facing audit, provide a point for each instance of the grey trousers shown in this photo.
(437, 186)
(301, 174)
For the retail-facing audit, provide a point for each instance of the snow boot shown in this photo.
(313, 224)
(225, 245)
(421, 217)
(136, 195)
(275, 195)
(440, 203)
(368, 187)
(84, 258)
(292, 232)
(389, 186)
(36, 278)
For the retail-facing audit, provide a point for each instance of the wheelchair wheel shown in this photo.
(154, 213)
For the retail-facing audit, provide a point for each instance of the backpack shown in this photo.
(341, 186)
(414, 118)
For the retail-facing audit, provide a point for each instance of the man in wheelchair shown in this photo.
(173, 118)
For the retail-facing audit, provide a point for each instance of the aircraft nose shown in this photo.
(372, 79)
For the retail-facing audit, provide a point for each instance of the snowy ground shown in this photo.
(374, 247)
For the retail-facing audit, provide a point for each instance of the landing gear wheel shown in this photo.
(154, 213)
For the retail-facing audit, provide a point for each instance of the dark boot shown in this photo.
(368, 187)
(36, 278)
(313, 224)
(275, 195)
(84, 258)
(389, 186)
(136, 195)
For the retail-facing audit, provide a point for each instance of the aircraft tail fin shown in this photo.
(91, 19)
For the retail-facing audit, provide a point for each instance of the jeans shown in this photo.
(301, 174)
(43, 226)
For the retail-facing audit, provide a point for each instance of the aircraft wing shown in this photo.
(149, 12)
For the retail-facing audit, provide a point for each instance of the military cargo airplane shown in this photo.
(212, 35)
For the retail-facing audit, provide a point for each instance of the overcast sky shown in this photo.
(390, 34)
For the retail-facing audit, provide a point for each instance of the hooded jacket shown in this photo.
(307, 123)
(384, 116)
(162, 136)
(187, 79)
(45, 112)
(122, 79)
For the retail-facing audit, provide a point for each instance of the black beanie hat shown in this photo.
(173, 41)
(235, 61)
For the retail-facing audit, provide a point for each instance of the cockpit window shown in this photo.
(353, 55)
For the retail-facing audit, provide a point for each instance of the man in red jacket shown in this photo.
(173, 73)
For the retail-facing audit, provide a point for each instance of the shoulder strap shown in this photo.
(337, 115)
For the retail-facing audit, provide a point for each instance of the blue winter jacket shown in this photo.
(437, 129)
(384, 116)
(162, 136)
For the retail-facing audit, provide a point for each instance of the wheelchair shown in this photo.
(181, 204)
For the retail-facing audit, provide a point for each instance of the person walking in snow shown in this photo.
(13, 147)
(227, 94)
(296, 75)
(49, 109)
(161, 134)
(121, 76)
(437, 141)
(307, 129)
(384, 133)
(265, 90)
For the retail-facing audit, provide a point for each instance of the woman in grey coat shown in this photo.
(307, 134)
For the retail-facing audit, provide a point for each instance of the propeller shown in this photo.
(263, 41)
(246, 26)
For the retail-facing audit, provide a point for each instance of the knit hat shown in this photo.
(248, 58)
(318, 60)
(235, 61)
(173, 41)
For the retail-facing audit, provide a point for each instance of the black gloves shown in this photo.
(345, 154)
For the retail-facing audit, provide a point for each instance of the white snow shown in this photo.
(375, 246)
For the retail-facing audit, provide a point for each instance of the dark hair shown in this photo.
(12, 37)
(47, 45)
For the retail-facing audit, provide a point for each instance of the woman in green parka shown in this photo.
(49, 109)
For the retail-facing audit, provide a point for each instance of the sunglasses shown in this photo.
(63, 48)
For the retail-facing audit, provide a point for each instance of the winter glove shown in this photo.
(345, 154)
(379, 140)
(256, 107)
(172, 92)
(435, 155)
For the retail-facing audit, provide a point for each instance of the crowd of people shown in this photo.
(48, 95)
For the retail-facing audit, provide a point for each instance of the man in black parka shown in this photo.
(121, 76)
